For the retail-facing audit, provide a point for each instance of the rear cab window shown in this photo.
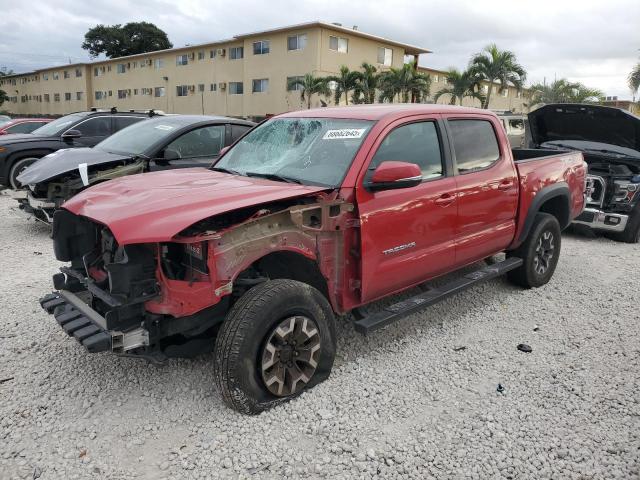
(474, 143)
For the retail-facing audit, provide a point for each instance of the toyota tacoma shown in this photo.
(310, 215)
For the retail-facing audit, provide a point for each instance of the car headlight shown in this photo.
(625, 191)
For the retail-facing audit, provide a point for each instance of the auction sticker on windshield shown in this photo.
(344, 133)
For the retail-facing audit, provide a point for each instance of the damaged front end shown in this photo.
(42, 199)
(166, 299)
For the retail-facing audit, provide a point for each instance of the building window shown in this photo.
(66, 74)
(297, 42)
(518, 94)
(46, 97)
(78, 72)
(67, 97)
(261, 47)
(121, 68)
(505, 92)
(56, 75)
(260, 85)
(339, 44)
(97, 72)
(158, 63)
(110, 93)
(435, 78)
(122, 94)
(159, 92)
(294, 88)
(98, 95)
(56, 97)
(213, 87)
(78, 96)
(135, 91)
(212, 53)
(385, 56)
(182, 90)
(236, 53)
(45, 76)
(182, 60)
(201, 55)
(236, 88)
(201, 87)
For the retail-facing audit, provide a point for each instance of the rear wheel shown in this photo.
(277, 341)
(540, 253)
(17, 168)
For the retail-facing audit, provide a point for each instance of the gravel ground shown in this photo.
(416, 400)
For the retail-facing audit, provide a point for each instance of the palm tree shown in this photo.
(309, 85)
(345, 82)
(495, 65)
(634, 79)
(366, 84)
(404, 83)
(563, 91)
(460, 85)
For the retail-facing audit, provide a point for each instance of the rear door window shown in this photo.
(475, 144)
(122, 122)
(26, 127)
(95, 127)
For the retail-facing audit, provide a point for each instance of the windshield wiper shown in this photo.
(560, 145)
(225, 170)
(273, 176)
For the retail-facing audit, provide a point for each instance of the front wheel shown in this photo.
(17, 168)
(539, 252)
(631, 232)
(277, 341)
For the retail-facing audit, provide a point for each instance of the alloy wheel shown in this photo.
(545, 250)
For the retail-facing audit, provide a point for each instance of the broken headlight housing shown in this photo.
(625, 191)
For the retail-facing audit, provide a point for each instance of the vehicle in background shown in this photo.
(609, 139)
(22, 125)
(82, 129)
(4, 118)
(311, 214)
(162, 143)
(514, 125)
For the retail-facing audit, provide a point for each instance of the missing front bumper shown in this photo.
(88, 327)
(599, 220)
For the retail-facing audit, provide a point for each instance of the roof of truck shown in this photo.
(379, 111)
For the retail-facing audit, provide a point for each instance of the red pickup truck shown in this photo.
(309, 215)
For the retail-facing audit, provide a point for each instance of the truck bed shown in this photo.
(525, 154)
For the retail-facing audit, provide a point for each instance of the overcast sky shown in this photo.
(594, 42)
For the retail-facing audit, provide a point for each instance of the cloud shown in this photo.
(593, 42)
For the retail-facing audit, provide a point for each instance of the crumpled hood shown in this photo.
(63, 161)
(154, 207)
(22, 138)
(591, 123)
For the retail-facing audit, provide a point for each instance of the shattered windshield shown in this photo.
(312, 151)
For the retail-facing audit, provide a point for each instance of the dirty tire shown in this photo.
(16, 169)
(250, 324)
(535, 271)
(631, 233)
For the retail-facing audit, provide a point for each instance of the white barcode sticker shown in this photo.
(164, 127)
(344, 133)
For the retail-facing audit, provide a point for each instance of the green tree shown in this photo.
(460, 85)
(404, 83)
(309, 85)
(3, 97)
(366, 84)
(345, 82)
(122, 40)
(495, 65)
(4, 71)
(563, 91)
(634, 79)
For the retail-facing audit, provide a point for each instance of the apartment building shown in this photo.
(510, 99)
(245, 76)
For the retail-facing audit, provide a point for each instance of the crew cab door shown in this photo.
(407, 235)
(487, 185)
(195, 148)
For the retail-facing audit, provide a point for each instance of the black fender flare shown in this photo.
(560, 189)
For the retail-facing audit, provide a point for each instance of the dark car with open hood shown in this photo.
(609, 139)
(162, 143)
(81, 129)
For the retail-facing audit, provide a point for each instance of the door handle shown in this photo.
(445, 199)
(505, 185)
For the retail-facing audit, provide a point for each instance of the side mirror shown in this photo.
(224, 150)
(391, 175)
(169, 155)
(71, 135)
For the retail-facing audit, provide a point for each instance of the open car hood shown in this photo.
(64, 161)
(155, 207)
(591, 123)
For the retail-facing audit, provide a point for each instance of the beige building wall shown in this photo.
(152, 81)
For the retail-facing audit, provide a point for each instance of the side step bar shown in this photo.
(411, 305)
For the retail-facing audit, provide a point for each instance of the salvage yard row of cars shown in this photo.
(251, 239)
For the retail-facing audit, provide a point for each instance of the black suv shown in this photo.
(82, 129)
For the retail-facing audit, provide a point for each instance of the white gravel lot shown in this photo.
(406, 402)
